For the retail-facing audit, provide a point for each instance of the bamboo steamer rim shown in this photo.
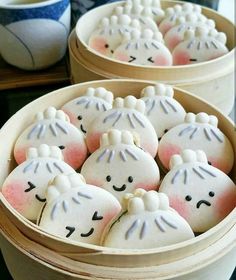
(88, 51)
(229, 221)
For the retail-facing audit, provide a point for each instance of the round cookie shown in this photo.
(53, 127)
(143, 48)
(172, 14)
(163, 111)
(147, 222)
(84, 109)
(110, 32)
(188, 22)
(201, 193)
(198, 132)
(25, 186)
(76, 210)
(127, 114)
(199, 45)
(116, 165)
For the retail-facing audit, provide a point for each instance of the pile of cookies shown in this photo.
(125, 173)
(141, 32)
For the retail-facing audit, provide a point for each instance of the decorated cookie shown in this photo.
(119, 166)
(146, 222)
(25, 186)
(110, 32)
(198, 132)
(143, 48)
(127, 114)
(76, 210)
(84, 109)
(173, 13)
(53, 127)
(201, 193)
(163, 111)
(188, 22)
(199, 45)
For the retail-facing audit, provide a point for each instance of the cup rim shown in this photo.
(42, 3)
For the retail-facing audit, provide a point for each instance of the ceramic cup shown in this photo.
(33, 33)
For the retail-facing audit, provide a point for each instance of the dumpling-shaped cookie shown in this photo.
(199, 192)
(76, 210)
(119, 166)
(25, 186)
(84, 109)
(127, 114)
(198, 132)
(146, 222)
(200, 45)
(143, 48)
(163, 111)
(53, 127)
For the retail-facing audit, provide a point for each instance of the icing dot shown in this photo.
(188, 197)
(108, 178)
(211, 194)
(130, 179)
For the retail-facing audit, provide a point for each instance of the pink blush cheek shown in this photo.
(180, 206)
(164, 28)
(98, 44)
(92, 141)
(225, 203)
(173, 42)
(166, 151)
(20, 154)
(110, 215)
(148, 186)
(72, 117)
(181, 58)
(220, 164)
(161, 60)
(121, 56)
(15, 195)
(75, 154)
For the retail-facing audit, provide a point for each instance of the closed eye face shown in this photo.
(193, 59)
(71, 230)
(150, 60)
(31, 187)
(132, 58)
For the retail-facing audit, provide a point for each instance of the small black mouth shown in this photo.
(82, 129)
(39, 198)
(192, 59)
(121, 189)
(200, 202)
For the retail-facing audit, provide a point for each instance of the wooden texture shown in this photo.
(212, 80)
(97, 255)
(12, 77)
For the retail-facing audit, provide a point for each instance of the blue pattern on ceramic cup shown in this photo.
(35, 36)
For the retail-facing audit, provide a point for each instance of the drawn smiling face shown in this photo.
(54, 132)
(200, 193)
(80, 214)
(26, 185)
(116, 168)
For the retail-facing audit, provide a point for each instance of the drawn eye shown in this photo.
(108, 178)
(106, 46)
(79, 117)
(188, 197)
(192, 59)
(71, 230)
(132, 58)
(211, 194)
(209, 162)
(31, 187)
(88, 233)
(96, 217)
(166, 130)
(130, 179)
(150, 59)
(61, 147)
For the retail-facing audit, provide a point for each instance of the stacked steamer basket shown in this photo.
(210, 255)
(211, 80)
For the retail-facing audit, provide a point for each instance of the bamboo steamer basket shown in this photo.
(168, 262)
(212, 80)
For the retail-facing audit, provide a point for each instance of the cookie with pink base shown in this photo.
(198, 132)
(53, 127)
(76, 210)
(110, 32)
(147, 221)
(163, 111)
(143, 48)
(84, 109)
(127, 114)
(116, 165)
(25, 186)
(188, 22)
(173, 13)
(201, 193)
(200, 45)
